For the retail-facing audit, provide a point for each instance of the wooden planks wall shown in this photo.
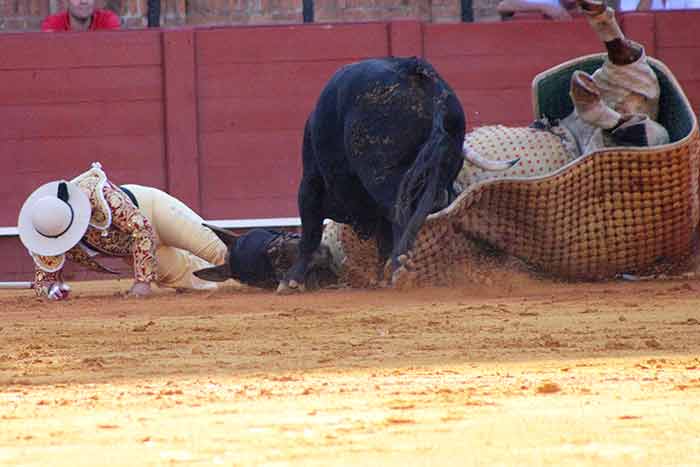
(677, 42)
(491, 67)
(256, 87)
(69, 99)
(215, 115)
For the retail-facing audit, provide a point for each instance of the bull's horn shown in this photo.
(219, 273)
(478, 160)
(229, 238)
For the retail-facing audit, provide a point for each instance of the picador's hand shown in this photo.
(591, 7)
(59, 291)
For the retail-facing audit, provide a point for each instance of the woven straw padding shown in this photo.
(356, 260)
(617, 210)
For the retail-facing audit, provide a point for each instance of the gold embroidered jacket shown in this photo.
(116, 228)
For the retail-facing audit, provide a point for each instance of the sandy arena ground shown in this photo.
(521, 371)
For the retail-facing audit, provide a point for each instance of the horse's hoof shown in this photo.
(404, 276)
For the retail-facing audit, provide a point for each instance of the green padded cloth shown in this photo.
(552, 91)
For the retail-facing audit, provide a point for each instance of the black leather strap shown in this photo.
(130, 195)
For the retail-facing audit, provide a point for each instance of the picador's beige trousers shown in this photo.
(631, 89)
(184, 245)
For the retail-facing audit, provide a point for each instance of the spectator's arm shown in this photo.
(111, 21)
(49, 24)
(515, 6)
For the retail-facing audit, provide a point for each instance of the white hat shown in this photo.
(54, 218)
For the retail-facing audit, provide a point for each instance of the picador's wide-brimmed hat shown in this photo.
(54, 218)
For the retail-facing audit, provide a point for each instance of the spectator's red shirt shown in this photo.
(101, 20)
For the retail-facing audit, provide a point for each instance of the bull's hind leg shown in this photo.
(400, 271)
(385, 238)
(311, 196)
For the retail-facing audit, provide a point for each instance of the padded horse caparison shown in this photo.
(616, 210)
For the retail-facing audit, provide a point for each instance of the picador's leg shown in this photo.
(621, 50)
(626, 128)
(587, 101)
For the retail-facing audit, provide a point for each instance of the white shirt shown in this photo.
(631, 5)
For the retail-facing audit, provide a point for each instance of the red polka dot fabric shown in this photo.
(540, 153)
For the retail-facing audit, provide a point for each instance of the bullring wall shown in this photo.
(215, 116)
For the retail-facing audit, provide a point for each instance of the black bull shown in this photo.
(381, 151)
(261, 258)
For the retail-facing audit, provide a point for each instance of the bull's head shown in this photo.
(222, 272)
(260, 258)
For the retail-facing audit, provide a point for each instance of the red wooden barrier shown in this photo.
(256, 87)
(491, 65)
(215, 115)
(181, 137)
(69, 99)
(678, 45)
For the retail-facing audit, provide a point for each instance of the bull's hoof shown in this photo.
(290, 287)
(405, 275)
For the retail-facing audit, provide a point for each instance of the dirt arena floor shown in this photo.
(513, 371)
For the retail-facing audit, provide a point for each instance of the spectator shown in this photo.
(554, 9)
(81, 16)
(647, 5)
(563, 9)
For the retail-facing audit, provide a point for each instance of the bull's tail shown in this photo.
(420, 186)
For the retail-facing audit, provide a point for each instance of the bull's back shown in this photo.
(369, 124)
(371, 121)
